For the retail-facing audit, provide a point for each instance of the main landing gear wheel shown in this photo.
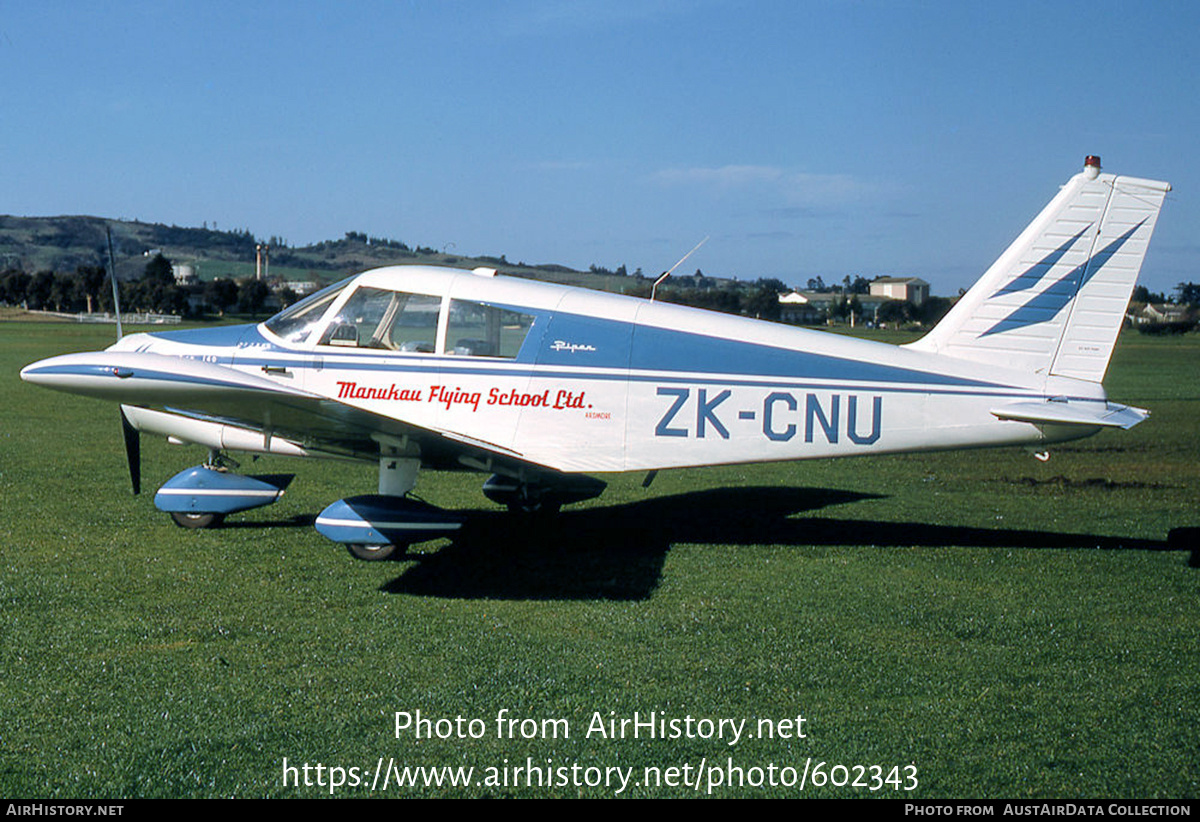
(370, 553)
(531, 507)
(191, 521)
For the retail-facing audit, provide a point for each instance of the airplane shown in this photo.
(540, 386)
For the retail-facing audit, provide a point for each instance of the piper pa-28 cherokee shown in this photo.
(540, 385)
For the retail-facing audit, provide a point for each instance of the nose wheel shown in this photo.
(370, 553)
(192, 521)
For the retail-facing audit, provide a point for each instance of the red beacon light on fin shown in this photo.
(1091, 166)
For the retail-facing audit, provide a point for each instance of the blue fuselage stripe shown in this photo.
(607, 350)
(604, 344)
(698, 378)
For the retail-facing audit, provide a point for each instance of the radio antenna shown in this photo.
(668, 272)
(112, 275)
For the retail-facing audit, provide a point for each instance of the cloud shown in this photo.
(723, 177)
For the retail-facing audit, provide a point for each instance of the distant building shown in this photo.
(913, 289)
(1159, 313)
(185, 274)
(804, 308)
(302, 287)
(815, 307)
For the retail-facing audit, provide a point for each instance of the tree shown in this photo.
(105, 294)
(896, 312)
(1187, 294)
(839, 308)
(933, 309)
(90, 280)
(762, 302)
(1141, 294)
(251, 296)
(220, 294)
(38, 293)
(158, 270)
(62, 288)
(14, 287)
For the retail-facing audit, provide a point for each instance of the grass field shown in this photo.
(1011, 628)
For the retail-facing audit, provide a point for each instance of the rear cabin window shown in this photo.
(482, 330)
(386, 320)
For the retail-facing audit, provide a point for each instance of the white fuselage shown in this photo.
(610, 383)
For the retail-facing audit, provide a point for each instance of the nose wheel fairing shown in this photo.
(208, 490)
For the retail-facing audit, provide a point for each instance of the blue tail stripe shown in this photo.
(1034, 274)
(1045, 306)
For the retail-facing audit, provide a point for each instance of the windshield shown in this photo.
(385, 319)
(296, 322)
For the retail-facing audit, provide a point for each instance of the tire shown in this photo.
(534, 507)
(194, 521)
(370, 553)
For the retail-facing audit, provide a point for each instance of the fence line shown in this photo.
(106, 317)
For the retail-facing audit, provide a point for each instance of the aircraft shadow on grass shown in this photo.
(296, 521)
(618, 552)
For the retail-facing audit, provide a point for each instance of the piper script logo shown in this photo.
(559, 345)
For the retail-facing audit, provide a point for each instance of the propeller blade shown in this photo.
(133, 452)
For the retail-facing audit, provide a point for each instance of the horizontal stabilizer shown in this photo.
(1063, 412)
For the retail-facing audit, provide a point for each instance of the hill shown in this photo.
(64, 243)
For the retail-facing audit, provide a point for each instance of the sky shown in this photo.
(829, 138)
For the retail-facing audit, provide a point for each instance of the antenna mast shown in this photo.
(112, 275)
(668, 272)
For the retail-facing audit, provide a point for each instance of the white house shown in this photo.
(913, 289)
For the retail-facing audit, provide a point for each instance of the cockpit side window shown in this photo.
(482, 330)
(295, 323)
(387, 320)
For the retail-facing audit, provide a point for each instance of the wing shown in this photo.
(221, 407)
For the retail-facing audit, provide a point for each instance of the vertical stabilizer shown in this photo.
(1054, 301)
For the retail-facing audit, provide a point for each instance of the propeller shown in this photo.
(133, 442)
(133, 452)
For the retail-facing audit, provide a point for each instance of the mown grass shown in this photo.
(1013, 628)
